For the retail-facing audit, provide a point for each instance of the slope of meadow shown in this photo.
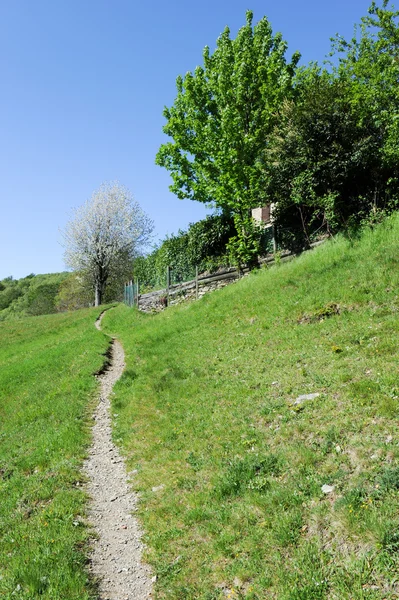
(46, 388)
(231, 467)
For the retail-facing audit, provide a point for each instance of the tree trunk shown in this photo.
(97, 295)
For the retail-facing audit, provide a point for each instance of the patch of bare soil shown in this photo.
(116, 556)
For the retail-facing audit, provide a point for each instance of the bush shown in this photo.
(203, 245)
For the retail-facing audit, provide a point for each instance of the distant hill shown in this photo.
(29, 296)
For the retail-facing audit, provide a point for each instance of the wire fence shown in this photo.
(183, 284)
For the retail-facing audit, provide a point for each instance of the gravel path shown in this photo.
(116, 557)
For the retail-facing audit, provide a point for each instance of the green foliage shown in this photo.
(41, 299)
(249, 128)
(245, 247)
(207, 239)
(390, 479)
(46, 294)
(174, 252)
(73, 293)
(369, 62)
(220, 122)
(10, 291)
(144, 269)
(322, 163)
(332, 159)
(203, 245)
(390, 541)
(31, 296)
(369, 66)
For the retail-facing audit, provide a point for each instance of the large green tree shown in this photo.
(322, 160)
(370, 64)
(333, 155)
(220, 122)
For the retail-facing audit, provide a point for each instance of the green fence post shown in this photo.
(167, 283)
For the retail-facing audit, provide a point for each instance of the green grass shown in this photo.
(46, 391)
(230, 469)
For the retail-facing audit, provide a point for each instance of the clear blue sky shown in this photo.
(83, 86)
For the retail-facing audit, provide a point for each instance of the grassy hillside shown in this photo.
(46, 383)
(231, 466)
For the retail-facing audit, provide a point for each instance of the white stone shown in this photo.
(304, 397)
(327, 489)
(157, 488)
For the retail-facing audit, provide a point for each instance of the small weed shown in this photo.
(244, 472)
(313, 591)
(287, 527)
(259, 484)
(354, 499)
(186, 483)
(364, 391)
(328, 310)
(389, 407)
(34, 580)
(389, 480)
(336, 349)
(273, 407)
(331, 440)
(390, 540)
(195, 461)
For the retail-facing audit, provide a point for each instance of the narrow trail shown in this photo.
(116, 556)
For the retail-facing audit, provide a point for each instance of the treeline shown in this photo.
(46, 294)
(321, 144)
(31, 295)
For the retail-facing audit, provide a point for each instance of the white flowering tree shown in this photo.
(104, 236)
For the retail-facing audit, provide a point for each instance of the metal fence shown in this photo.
(131, 294)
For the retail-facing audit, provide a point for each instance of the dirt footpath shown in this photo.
(116, 557)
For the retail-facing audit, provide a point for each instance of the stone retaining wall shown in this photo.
(157, 301)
